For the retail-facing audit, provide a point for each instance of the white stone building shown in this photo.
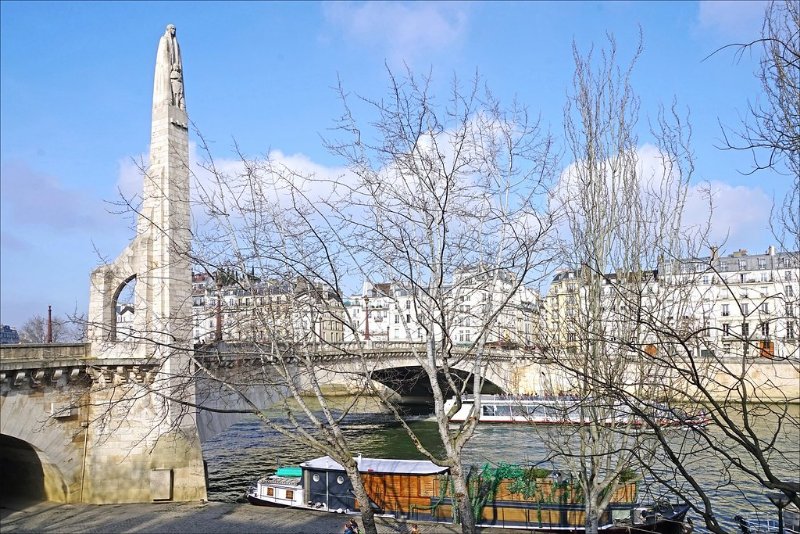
(747, 303)
(253, 310)
(468, 307)
(725, 305)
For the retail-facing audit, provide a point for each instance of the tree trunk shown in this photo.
(592, 522)
(462, 502)
(367, 514)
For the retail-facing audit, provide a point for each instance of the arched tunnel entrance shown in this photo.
(23, 479)
(412, 384)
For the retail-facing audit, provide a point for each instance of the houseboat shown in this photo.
(551, 410)
(508, 496)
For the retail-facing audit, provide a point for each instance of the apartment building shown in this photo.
(476, 302)
(250, 309)
(726, 305)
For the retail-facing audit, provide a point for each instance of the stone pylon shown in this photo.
(158, 257)
(147, 426)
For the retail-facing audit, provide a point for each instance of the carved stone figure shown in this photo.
(168, 86)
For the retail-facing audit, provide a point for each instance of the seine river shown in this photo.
(248, 450)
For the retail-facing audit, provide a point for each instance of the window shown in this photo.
(741, 278)
(340, 479)
(787, 276)
(790, 330)
(789, 290)
(767, 349)
(765, 329)
(742, 265)
(408, 304)
(726, 310)
(789, 309)
(764, 276)
(706, 279)
(745, 308)
(726, 329)
(270, 492)
(396, 319)
(408, 317)
(762, 263)
(571, 337)
(290, 494)
(745, 329)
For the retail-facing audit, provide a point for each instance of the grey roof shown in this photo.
(379, 465)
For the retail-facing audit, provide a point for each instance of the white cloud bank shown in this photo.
(737, 216)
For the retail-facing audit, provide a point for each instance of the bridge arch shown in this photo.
(412, 384)
(28, 473)
(43, 427)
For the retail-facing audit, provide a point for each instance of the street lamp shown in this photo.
(780, 500)
(366, 306)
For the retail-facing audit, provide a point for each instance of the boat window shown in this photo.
(270, 492)
(290, 494)
(488, 410)
(340, 479)
(503, 410)
(518, 410)
(315, 478)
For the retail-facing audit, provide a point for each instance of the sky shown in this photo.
(76, 90)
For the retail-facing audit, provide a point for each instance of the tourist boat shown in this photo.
(552, 410)
(414, 490)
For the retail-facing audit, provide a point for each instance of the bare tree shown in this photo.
(710, 333)
(622, 205)
(64, 330)
(729, 349)
(771, 128)
(441, 200)
(444, 202)
(727, 346)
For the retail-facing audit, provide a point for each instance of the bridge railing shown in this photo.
(30, 352)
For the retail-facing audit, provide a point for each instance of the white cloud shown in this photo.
(736, 216)
(229, 185)
(404, 31)
(732, 19)
(739, 214)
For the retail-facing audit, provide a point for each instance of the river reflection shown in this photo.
(248, 450)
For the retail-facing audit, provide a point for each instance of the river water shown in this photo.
(249, 450)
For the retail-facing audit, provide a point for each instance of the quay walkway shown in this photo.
(195, 518)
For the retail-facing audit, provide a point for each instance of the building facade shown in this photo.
(728, 306)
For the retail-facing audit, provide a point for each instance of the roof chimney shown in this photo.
(771, 250)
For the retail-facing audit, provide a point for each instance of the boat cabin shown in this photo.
(395, 486)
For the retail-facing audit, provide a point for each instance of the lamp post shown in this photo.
(780, 500)
(366, 328)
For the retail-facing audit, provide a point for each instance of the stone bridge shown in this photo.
(76, 428)
(72, 425)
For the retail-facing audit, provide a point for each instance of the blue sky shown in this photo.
(77, 87)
